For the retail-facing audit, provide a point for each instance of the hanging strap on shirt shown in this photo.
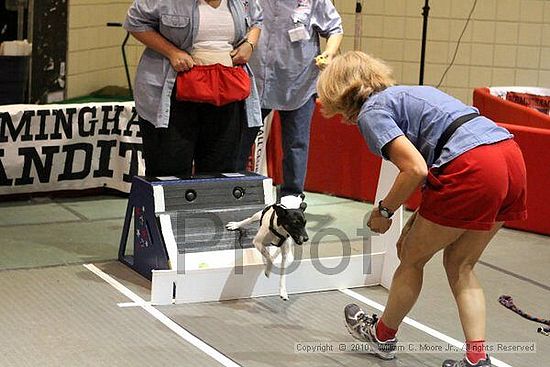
(449, 131)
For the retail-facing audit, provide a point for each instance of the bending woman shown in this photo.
(474, 177)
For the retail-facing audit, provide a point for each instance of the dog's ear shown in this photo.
(303, 206)
(280, 211)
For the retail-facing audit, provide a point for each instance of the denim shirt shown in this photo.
(178, 22)
(422, 113)
(285, 71)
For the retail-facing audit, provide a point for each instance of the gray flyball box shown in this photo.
(175, 216)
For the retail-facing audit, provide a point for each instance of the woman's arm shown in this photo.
(142, 21)
(242, 54)
(412, 172)
(254, 35)
(331, 49)
(333, 44)
(328, 21)
(180, 60)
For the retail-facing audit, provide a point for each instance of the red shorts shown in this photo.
(478, 188)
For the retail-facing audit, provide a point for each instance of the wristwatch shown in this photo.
(243, 41)
(385, 212)
(250, 43)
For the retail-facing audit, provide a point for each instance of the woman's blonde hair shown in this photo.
(348, 81)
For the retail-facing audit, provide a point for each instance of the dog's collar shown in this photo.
(272, 229)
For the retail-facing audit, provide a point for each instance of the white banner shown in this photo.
(67, 147)
(260, 151)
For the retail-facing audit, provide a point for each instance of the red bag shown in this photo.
(215, 84)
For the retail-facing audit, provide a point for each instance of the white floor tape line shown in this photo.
(417, 325)
(184, 334)
(129, 304)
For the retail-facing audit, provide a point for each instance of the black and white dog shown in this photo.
(281, 227)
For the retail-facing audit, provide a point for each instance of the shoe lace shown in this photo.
(368, 319)
(462, 363)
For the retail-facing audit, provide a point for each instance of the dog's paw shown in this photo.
(284, 296)
(232, 226)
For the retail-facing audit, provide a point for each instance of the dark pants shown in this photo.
(295, 129)
(198, 133)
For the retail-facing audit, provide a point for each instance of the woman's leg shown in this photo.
(422, 241)
(219, 136)
(416, 246)
(459, 260)
(167, 151)
(295, 130)
(404, 233)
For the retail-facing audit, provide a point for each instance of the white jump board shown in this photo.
(213, 276)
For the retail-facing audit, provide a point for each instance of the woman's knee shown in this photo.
(456, 263)
(463, 254)
(410, 257)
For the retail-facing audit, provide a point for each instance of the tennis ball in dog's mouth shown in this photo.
(203, 265)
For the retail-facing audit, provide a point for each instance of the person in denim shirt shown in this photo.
(286, 66)
(178, 134)
(474, 180)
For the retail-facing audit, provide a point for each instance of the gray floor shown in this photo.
(55, 312)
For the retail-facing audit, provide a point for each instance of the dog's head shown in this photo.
(293, 221)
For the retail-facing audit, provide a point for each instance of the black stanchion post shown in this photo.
(425, 13)
(358, 25)
(123, 47)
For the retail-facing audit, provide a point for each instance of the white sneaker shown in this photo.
(363, 327)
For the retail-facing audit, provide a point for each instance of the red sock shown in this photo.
(475, 351)
(384, 333)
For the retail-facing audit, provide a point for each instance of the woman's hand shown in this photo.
(324, 59)
(181, 61)
(242, 54)
(377, 223)
(331, 49)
